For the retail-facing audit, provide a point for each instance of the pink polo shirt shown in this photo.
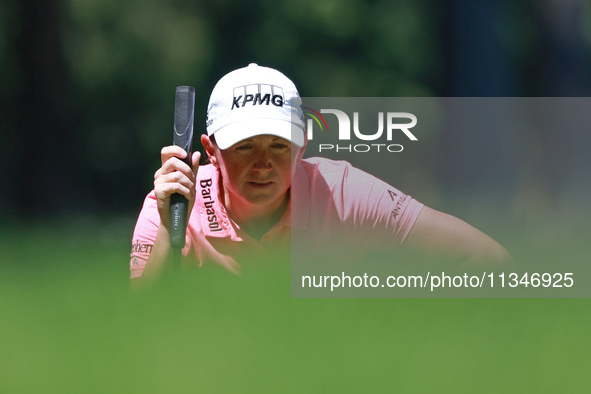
(334, 208)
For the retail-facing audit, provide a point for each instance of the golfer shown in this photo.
(258, 193)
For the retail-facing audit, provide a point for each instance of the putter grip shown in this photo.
(184, 112)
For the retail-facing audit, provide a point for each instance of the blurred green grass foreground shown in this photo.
(70, 324)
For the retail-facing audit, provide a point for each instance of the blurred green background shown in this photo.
(86, 103)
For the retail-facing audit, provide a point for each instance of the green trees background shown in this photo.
(86, 96)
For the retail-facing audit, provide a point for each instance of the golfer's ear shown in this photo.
(209, 147)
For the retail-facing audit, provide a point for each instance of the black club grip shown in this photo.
(184, 113)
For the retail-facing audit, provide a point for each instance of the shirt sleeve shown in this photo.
(144, 236)
(396, 215)
(381, 215)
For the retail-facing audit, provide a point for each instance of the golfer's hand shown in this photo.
(175, 176)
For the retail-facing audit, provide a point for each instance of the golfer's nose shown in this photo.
(263, 162)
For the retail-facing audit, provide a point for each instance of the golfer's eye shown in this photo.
(279, 146)
(243, 147)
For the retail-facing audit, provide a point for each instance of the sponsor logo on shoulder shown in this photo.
(399, 203)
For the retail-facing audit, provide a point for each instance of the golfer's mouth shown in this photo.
(260, 185)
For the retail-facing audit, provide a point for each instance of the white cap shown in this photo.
(252, 101)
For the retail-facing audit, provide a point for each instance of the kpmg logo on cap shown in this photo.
(257, 94)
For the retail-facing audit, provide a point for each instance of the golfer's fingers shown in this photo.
(195, 162)
(174, 182)
(174, 164)
(165, 190)
(172, 151)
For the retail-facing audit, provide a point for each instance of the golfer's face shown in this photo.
(258, 169)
